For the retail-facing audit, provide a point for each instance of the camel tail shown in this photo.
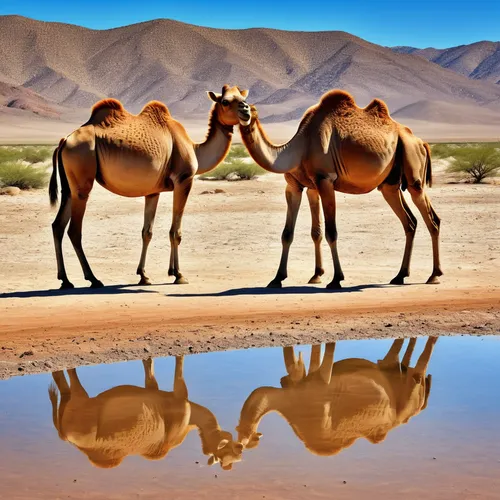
(57, 162)
(428, 165)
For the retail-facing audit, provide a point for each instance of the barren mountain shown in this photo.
(13, 98)
(479, 61)
(174, 62)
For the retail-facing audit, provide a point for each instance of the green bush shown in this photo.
(443, 150)
(239, 167)
(476, 162)
(30, 154)
(22, 176)
(236, 162)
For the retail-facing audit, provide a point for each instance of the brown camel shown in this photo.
(338, 403)
(341, 147)
(129, 420)
(137, 155)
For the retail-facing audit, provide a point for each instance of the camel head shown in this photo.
(231, 106)
(227, 453)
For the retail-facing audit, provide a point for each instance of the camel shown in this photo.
(342, 147)
(129, 420)
(137, 155)
(335, 404)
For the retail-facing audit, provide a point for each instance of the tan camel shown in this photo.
(137, 155)
(341, 147)
(129, 420)
(338, 403)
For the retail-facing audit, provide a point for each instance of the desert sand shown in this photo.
(230, 251)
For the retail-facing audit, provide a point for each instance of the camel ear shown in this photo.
(212, 460)
(222, 443)
(213, 96)
(244, 93)
(258, 435)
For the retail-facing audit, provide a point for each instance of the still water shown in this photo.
(356, 419)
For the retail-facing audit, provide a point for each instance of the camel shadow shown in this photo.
(290, 290)
(56, 292)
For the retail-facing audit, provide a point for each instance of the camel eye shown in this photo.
(225, 102)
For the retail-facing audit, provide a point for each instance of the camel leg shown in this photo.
(76, 386)
(151, 204)
(316, 235)
(149, 374)
(61, 382)
(78, 206)
(180, 388)
(315, 361)
(293, 198)
(65, 391)
(327, 194)
(423, 360)
(394, 197)
(391, 359)
(58, 227)
(181, 193)
(294, 367)
(409, 352)
(433, 223)
(327, 363)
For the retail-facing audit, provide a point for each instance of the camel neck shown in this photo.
(214, 149)
(208, 427)
(275, 158)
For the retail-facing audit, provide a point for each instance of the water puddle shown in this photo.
(365, 418)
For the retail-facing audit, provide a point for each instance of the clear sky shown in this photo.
(419, 23)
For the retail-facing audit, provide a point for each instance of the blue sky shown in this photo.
(420, 23)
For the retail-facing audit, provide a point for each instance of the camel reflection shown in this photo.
(337, 403)
(129, 420)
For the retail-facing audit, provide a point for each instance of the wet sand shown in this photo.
(230, 251)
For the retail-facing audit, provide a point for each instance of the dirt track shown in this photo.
(230, 251)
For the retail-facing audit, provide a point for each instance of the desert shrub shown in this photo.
(236, 166)
(234, 169)
(22, 176)
(30, 154)
(442, 150)
(476, 163)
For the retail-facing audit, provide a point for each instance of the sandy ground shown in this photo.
(230, 251)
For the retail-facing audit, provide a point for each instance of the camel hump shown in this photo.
(378, 108)
(106, 112)
(105, 104)
(156, 111)
(335, 99)
(408, 129)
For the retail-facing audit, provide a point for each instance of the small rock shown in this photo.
(146, 349)
(233, 176)
(219, 191)
(10, 191)
(27, 353)
(208, 191)
(344, 482)
(389, 325)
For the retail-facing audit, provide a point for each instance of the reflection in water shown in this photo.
(130, 420)
(336, 403)
(328, 408)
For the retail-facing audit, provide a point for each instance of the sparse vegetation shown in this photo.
(18, 169)
(442, 150)
(236, 166)
(476, 162)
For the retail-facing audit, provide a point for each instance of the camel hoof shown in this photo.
(398, 280)
(433, 280)
(66, 285)
(275, 284)
(334, 285)
(97, 284)
(181, 281)
(314, 280)
(144, 281)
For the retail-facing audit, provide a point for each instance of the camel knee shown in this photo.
(175, 236)
(331, 233)
(316, 234)
(75, 234)
(287, 236)
(147, 235)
